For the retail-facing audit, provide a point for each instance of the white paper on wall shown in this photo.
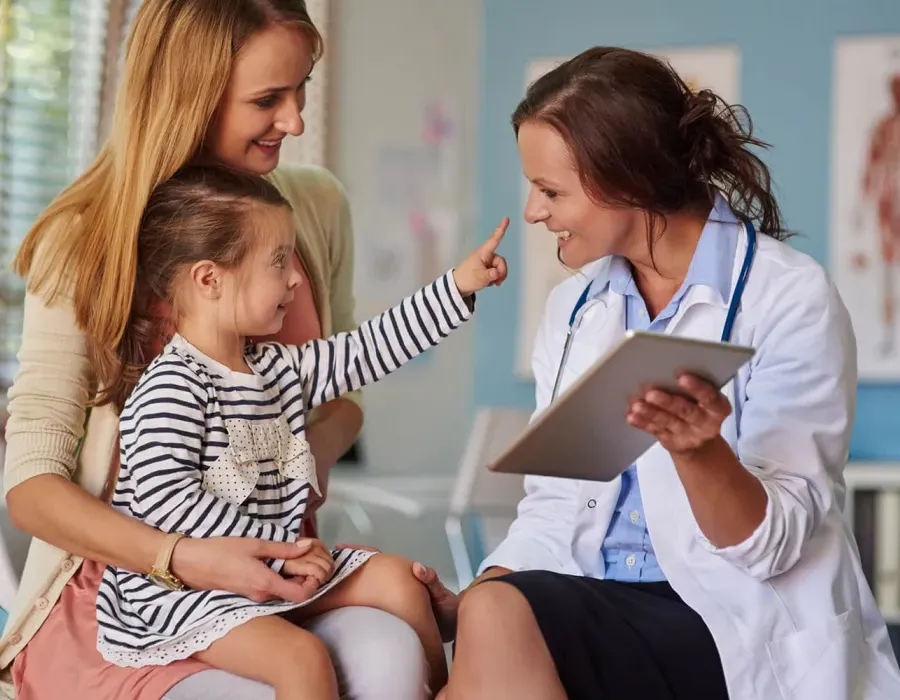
(865, 196)
(312, 147)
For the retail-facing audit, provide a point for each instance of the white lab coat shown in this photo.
(789, 608)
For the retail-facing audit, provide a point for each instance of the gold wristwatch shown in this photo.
(160, 573)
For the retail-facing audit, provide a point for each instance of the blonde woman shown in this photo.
(212, 80)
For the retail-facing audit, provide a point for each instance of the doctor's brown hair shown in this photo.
(639, 137)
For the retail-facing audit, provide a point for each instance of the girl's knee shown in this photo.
(390, 565)
(393, 574)
(305, 650)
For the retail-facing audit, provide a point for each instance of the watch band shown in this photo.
(164, 557)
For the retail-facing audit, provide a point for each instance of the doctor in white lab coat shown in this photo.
(720, 564)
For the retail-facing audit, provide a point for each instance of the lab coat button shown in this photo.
(592, 503)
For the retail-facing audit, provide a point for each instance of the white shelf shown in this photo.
(872, 476)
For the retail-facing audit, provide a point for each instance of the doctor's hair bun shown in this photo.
(718, 139)
(708, 127)
(714, 132)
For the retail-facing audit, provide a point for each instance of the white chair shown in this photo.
(483, 503)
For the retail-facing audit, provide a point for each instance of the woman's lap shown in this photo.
(612, 640)
(377, 657)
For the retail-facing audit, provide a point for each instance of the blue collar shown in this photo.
(712, 265)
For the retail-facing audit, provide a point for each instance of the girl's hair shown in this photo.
(641, 138)
(201, 213)
(178, 59)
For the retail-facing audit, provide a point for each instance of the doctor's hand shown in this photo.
(682, 424)
(483, 267)
(444, 602)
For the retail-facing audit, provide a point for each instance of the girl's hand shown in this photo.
(484, 267)
(316, 564)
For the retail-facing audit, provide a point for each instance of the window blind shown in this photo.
(51, 68)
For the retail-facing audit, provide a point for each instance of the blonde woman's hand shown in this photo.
(238, 565)
(483, 267)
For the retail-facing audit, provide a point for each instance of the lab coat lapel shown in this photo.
(701, 315)
(602, 326)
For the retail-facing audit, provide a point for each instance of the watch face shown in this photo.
(167, 583)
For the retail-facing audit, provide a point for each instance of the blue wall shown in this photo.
(786, 79)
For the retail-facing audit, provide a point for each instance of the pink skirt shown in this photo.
(62, 661)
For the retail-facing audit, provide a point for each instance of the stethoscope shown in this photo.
(576, 315)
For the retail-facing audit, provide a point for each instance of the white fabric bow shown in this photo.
(234, 475)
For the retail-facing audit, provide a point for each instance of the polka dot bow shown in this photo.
(234, 475)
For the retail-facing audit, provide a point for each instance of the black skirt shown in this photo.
(622, 641)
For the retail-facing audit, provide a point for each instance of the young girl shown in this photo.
(212, 435)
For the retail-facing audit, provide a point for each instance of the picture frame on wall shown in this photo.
(865, 196)
(312, 147)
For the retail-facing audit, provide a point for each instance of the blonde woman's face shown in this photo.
(263, 101)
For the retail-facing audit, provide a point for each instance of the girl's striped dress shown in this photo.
(208, 452)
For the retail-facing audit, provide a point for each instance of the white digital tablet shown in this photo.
(584, 434)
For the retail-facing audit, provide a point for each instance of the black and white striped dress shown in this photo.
(210, 452)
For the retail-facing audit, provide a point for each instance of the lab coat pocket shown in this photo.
(821, 662)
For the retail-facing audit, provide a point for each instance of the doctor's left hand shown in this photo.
(681, 423)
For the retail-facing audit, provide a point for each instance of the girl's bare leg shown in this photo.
(278, 653)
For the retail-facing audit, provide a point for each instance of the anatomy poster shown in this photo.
(713, 67)
(865, 196)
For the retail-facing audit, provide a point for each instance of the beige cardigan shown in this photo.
(47, 414)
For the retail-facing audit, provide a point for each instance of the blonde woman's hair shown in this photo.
(178, 60)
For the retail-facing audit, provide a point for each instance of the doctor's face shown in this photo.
(585, 229)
